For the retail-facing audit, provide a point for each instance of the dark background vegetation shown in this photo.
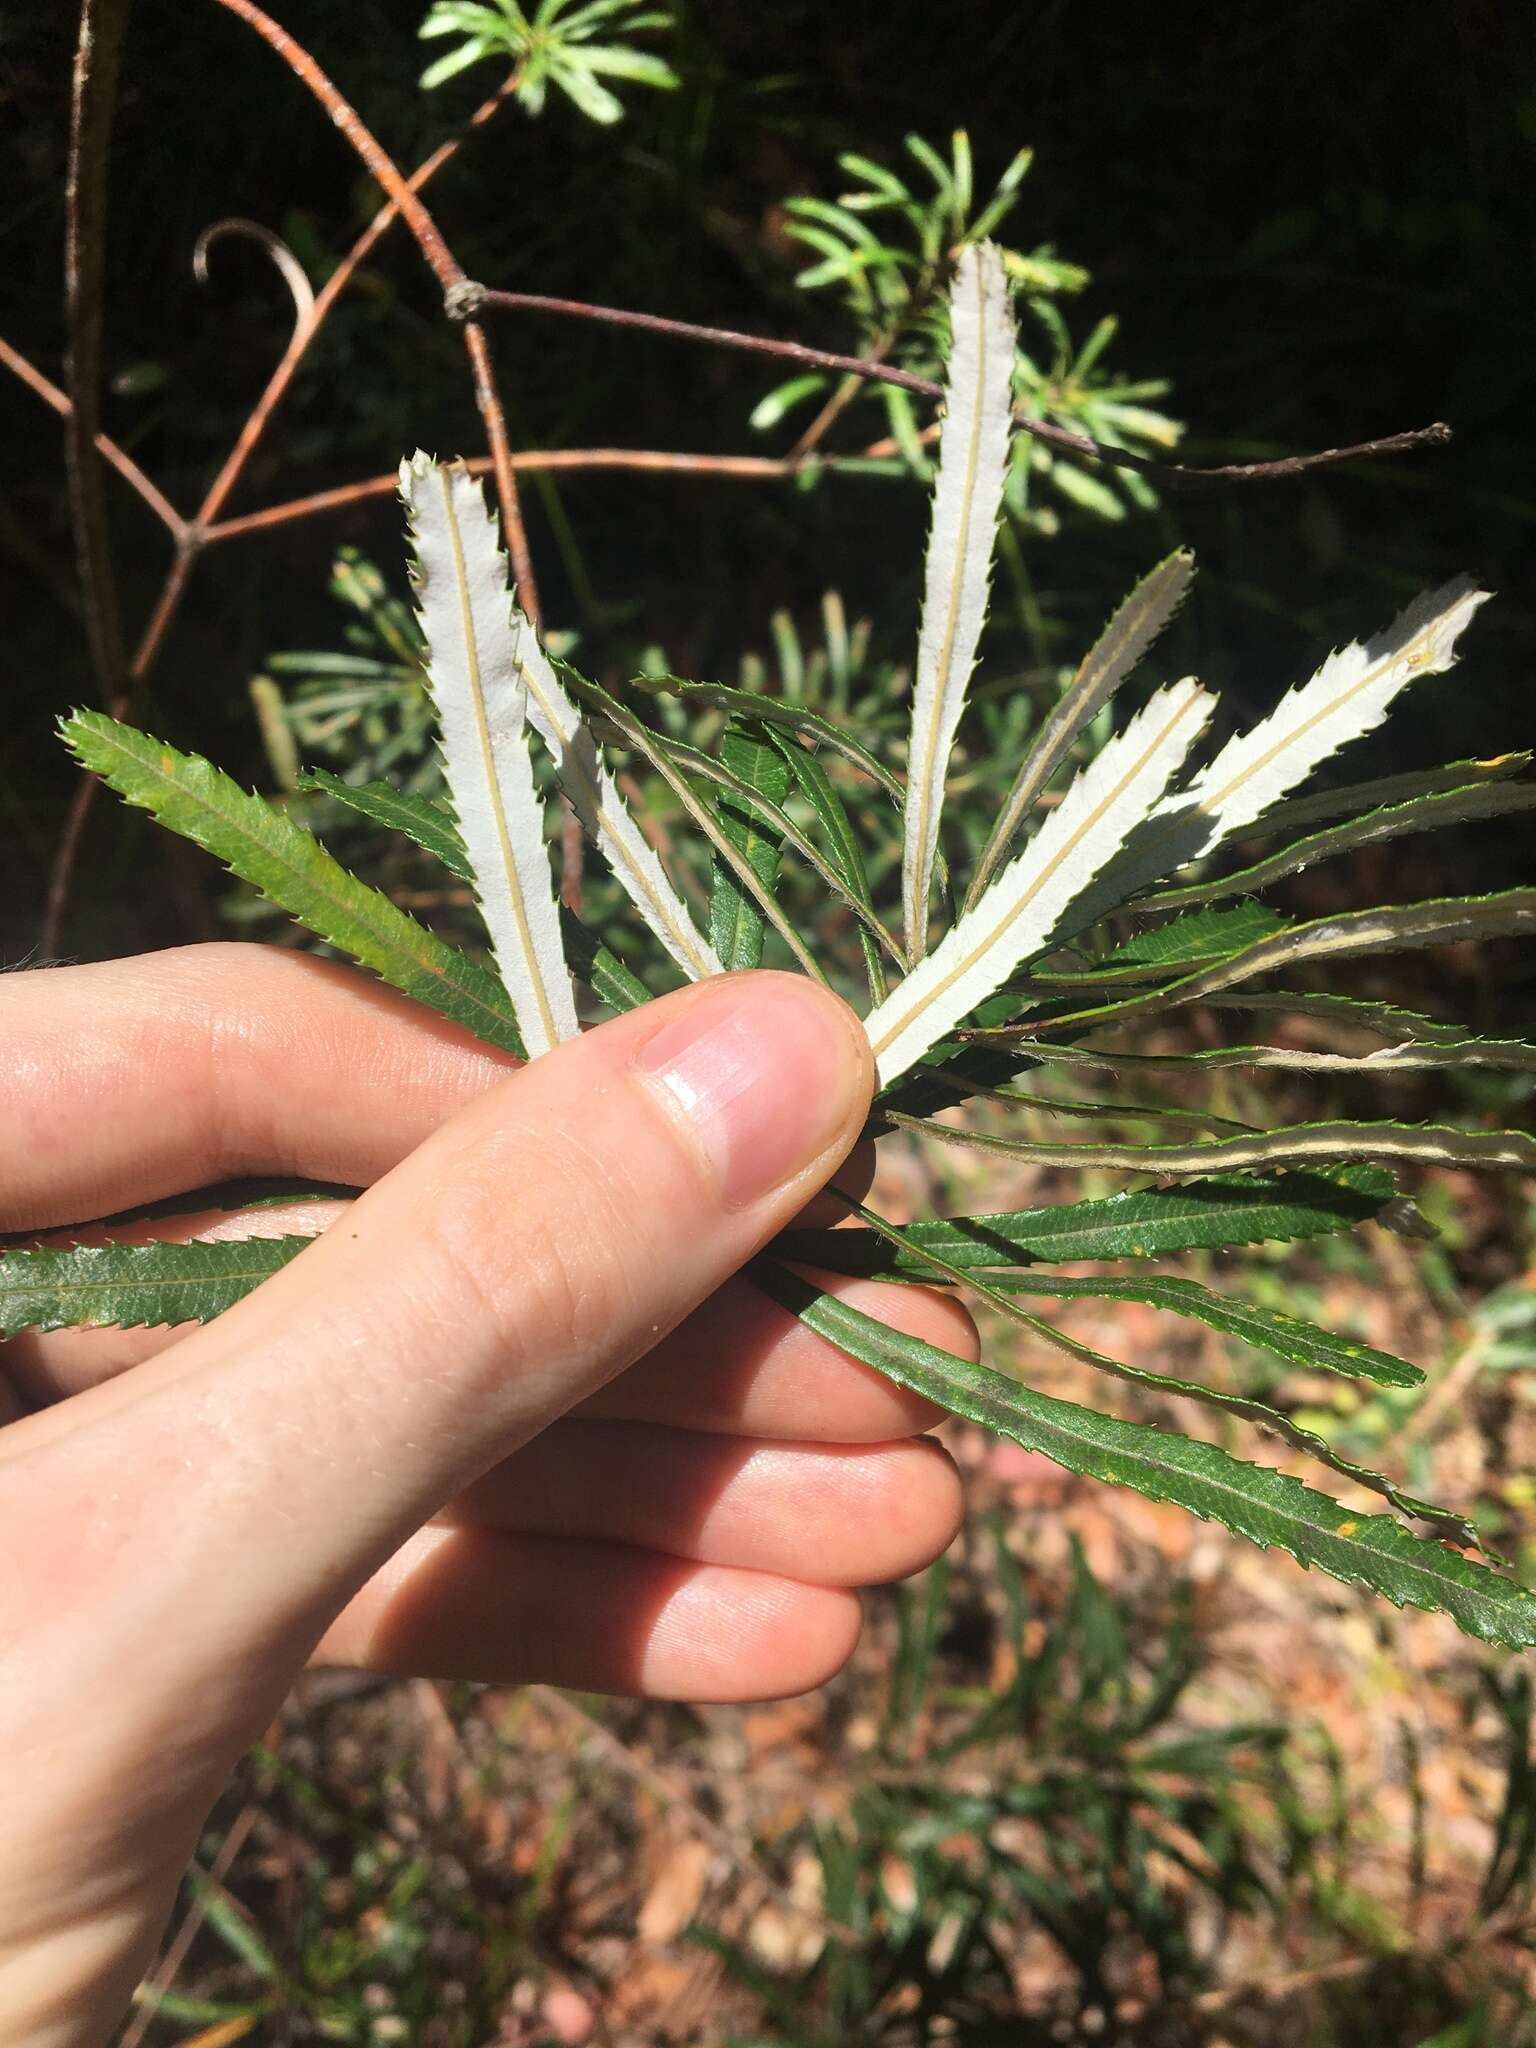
(1315, 219)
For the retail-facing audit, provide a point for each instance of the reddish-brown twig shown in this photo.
(444, 265)
(466, 298)
(58, 401)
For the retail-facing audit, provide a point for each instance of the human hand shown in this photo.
(417, 1448)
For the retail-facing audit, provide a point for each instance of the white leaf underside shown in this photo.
(581, 772)
(967, 499)
(1022, 908)
(461, 594)
(1349, 695)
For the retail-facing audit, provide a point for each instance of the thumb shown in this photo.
(537, 1243)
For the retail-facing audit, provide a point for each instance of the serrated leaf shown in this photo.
(134, 1286)
(481, 701)
(1200, 1215)
(845, 852)
(1348, 695)
(736, 925)
(774, 711)
(1119, 648)
(1353, 799)
(1202, 935)
(1394, 821)
(418, 817)
(1017, 915)
(656, 753)
(996, 1293)
(1318, 1143)
(1267, 1507)
(967, 503)
(1508, 1054)
(293, 870)
(593, 793)
(1353, 934)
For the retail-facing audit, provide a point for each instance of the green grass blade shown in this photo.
(134, 1286)
(293, 870)
(428, 824)
(736, 925)
(1269, 1508)
(1200, 1215)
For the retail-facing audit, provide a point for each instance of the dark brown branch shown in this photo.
(464, 299)
(93, 101)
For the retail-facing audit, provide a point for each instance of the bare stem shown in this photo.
(468, 298)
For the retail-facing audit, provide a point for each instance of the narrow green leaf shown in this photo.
(1122, 644)
(1447, 1523)
(1414, 1144)
(603, 971)
(1201, 936)
(1510, 1054)
(134, 1286)
(647, 744)
(847, 856)
(1353, 799)
(429, 824)
(736, 925)
(776, 712)
(1267, 1507)
(1150, 1223)
(1393, 821)
(267, 849)
(1353, 935)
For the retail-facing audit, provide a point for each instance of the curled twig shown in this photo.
(283, 260)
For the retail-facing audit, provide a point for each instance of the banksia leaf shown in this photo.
(586, 781)
(967, 499)
(264, 847)
(1017, 915)
(477, 688)
(1118, 649)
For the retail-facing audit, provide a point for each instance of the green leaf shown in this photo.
(652, 749)
(1446, 1521)
(603, 972)
(134, 1286)
(776, 712)
(845, 852)
(1352, 935)
(429, 824)
(1267, 1507)
(736, 925)
(1203, 935)
(1200, 1215)
(293, 870)
(1392, 821)
(1266, 1329)
(1351, 799)
(1414, 1144)
(1508, 1053)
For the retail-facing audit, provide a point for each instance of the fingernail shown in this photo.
(764, 1069)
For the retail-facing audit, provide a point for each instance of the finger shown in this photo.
(743, 1365)
(740, 1364)
(535, 1245)
(832, 1516)
(514, 1610)
(136, 1079)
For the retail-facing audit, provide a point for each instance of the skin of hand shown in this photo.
(511, 1417)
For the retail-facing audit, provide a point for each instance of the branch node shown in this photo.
(463, 300)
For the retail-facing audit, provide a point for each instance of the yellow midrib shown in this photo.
(488, 761)
(984, 945)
